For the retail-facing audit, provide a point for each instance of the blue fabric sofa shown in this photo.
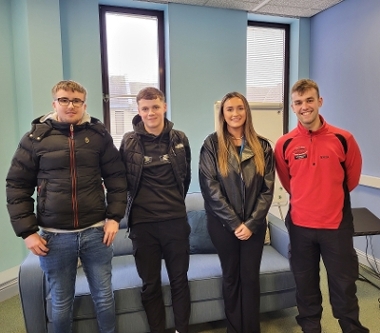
(277, 283)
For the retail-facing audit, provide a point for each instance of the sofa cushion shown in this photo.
(275, 273)
(204, 279)
(194, 201)
(200, 241)
(122, 244)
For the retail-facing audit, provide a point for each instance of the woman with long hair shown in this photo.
(236, 175)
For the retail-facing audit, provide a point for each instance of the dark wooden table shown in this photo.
(365, 222)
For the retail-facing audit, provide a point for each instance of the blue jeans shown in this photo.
(60, 268)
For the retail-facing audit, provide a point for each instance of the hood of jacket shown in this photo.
(43, 125)
(54, 116)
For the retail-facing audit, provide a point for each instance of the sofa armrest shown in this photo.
(31, 281)
(194, 201)
(278, 234)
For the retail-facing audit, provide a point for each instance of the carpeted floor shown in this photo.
(11, 320)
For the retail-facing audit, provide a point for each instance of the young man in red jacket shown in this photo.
(319, 165)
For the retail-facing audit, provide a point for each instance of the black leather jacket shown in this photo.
(132, 154)
(241, 196)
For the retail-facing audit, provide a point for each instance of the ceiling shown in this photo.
(286, 8)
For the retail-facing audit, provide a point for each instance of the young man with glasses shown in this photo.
(68, 156)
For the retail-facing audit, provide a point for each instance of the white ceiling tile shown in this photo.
(322, 5)
(286, 11)
(190, 2)
(307, 4)
(157, 1)
(288, 8)
(233, 4)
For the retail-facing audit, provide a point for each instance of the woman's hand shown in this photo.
(242, 232)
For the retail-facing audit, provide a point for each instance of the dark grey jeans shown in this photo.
(152, 242)
(336, 248)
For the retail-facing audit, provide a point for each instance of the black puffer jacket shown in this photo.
(67, 168)
(132, 154)
(241, 196)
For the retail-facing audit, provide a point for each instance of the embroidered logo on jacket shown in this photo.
(164, 158)
(300, 153)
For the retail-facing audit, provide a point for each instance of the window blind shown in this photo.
(265, 64)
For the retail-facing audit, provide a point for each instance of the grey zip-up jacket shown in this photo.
(242, 196)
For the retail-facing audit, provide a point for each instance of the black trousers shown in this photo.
(152, 242)
(240, 261)
(336, 248)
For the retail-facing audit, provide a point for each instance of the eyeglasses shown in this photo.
(63, 101)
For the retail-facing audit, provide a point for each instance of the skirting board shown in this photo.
(365, 269)
(9, 283)
(364, 258)
(370, 181)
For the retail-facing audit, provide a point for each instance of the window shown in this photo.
(132, 53)
(268, 65)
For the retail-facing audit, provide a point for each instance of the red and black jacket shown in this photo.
(319, 169)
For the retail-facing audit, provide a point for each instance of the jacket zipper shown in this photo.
(132, 198)
(243, 191)
(242, 182)
(73, 174)
(173, 153)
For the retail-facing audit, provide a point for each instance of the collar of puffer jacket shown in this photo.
(41, 126)
(53, 115)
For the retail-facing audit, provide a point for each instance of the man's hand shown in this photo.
(36, 244)
(242, 232)
(111, 227)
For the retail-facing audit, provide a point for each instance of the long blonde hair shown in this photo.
(225, 140)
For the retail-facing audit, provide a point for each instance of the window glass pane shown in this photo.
(265, 64)
(133, 63)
